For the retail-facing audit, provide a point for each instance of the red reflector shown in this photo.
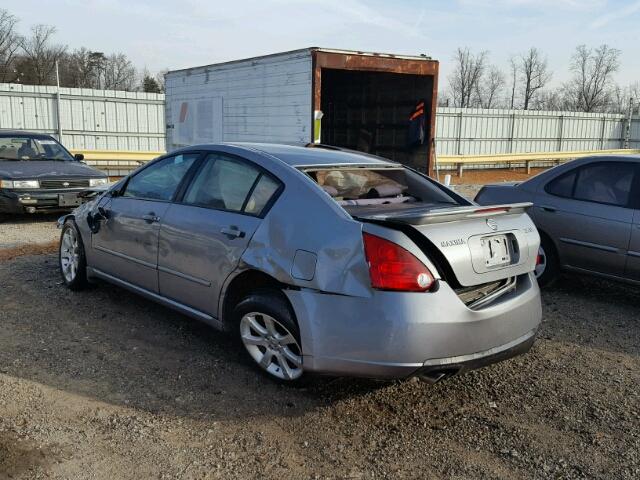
(391, 267)
(538, 259)
(491, 210)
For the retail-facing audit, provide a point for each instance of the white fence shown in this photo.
(470, 131)
(135, 121)
(89, 119)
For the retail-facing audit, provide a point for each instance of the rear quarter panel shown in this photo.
(304, 218)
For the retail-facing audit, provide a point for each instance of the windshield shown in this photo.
(24, 147)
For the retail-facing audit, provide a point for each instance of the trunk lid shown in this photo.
(480, 244)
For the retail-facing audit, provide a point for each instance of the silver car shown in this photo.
(317, 259)
(588, 214)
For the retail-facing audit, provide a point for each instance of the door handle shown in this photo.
(232, 232)
(151, 218)
(547, 208)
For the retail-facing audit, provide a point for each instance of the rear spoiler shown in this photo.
(442, 215)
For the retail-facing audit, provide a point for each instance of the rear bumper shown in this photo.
(12, 201)
(395, 335)
(437, 369)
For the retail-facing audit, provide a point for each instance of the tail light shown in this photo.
(391, 267)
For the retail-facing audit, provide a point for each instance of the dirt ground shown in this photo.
(495, 175)
(103, 384)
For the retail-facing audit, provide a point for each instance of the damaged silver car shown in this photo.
(317, 259)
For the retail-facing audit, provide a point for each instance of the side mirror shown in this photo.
(94, 219)
(79, 157)
(104, 213)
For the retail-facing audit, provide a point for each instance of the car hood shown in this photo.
(11, 169)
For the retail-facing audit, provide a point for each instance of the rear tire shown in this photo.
(267, 328)
(549, 267)
(71, 257)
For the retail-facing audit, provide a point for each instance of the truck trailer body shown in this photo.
(376, 103)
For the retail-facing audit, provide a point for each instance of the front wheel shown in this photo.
(270, 335)
(72, 260)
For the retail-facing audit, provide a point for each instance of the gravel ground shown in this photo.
(466, 190)
(19, 230)
(103, 384)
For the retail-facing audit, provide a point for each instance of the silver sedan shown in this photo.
(588, 215)
(317, 259)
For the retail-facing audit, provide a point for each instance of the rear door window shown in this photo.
(231, 184)
(263, 192)
(562, 186)
(608, 183)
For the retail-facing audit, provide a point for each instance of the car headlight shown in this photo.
(19, 184)
(95, 182)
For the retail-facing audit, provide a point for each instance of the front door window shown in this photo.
(160, 180)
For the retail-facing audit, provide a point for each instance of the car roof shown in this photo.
(612, 157)
(558, 170)
(313, 155)
(22, 133)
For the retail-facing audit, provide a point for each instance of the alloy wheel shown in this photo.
(271, 345)
(69, 255)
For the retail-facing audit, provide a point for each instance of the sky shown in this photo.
(159, 34)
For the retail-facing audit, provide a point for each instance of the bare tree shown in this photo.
(489, 88)
(445, 99)
(82, 68)
(550, 99)
(97, 70)
(39, 56)
(160, 78)
(534, 74)
(9, 44)
(32, 59)
(119, 73)
(466, 75)
(621, 96)
(590, 88)
(513, 68)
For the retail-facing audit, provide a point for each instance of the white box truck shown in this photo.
(357, 100)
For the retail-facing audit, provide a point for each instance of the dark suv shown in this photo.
(37, 174)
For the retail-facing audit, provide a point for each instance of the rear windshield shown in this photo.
(352, 187)
(24, 147)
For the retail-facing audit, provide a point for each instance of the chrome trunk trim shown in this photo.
(506, 288)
